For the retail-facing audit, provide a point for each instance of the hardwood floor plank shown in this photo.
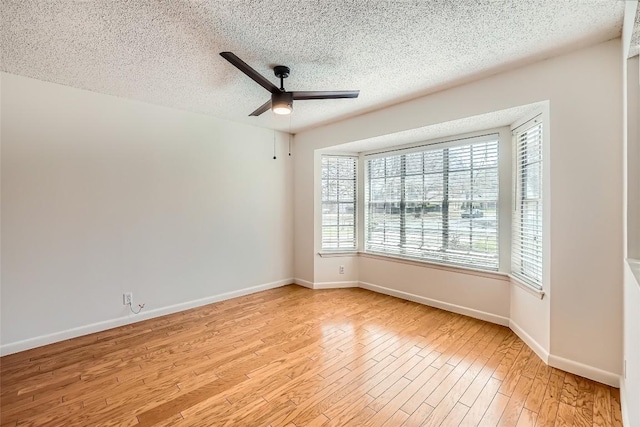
(494, 411)
(616, 412)
(390, 393)
(448, 403)
(455, 416)
(421, 394)
(538, 388)
(583, 416)
(319, 421)
(481, 404)
(601, 406)
(419, 415)
(565, 414)
(514, 407)
(393, 407)
(397, 419)
(569, 393)
(527, 418)
(290, 357)
(549, 408)
(516, 371)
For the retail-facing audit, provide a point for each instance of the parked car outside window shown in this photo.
(473, 213)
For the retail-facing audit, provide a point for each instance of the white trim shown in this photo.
(335, 285)
(537, 114)
(337, 254)
(527, 287)
(30, 343)
(634, 265)
(586, 371)
(470, 138)
(623, 403)
(303, 283)
(326, 285)
(528, 340)
(477, 314)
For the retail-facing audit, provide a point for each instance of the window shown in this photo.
(438, 204)
(526, 240)
(338, 202)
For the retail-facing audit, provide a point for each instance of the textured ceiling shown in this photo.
(166, 52)
(635, 37)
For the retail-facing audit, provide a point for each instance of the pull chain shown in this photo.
(289, 137)
(274, 145)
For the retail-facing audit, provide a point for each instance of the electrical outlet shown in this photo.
(127, 298)
(341, 269)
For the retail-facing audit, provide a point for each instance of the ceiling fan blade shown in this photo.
(326, 94)
(253, 74)
(261, 109)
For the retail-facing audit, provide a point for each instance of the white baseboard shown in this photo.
(477, 314)
(528, 340)
(30, 343)
(335, 285)
(326, 285)
(626, 421)
(583, 370)
(302, 282)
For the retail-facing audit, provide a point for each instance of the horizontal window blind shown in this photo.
(338, 202)
(436, 204)
(526, 251)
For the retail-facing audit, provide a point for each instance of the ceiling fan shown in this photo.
(281, 101)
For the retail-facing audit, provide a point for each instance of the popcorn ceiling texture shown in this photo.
(166, 52)
(635, 37)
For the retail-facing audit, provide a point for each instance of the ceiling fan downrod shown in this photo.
(282, 72)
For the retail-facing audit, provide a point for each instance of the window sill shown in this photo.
(333, 254)
(458, 269)
(527, 287)
(438, 266)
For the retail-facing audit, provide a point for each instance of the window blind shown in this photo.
(338, 202)
(436, 204)
(526, 240)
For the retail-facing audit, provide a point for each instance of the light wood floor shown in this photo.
(296, 357)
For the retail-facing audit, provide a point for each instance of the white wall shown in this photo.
(583, 304)
(482, 296)
(630, 388)
(630, 384)
(102, 195)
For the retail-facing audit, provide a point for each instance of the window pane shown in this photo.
(338, 202)
(414, 163)
(526, 242)
(431, 205)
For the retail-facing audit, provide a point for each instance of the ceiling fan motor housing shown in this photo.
(282, 99)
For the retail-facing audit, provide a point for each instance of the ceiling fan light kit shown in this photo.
(281, 101)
